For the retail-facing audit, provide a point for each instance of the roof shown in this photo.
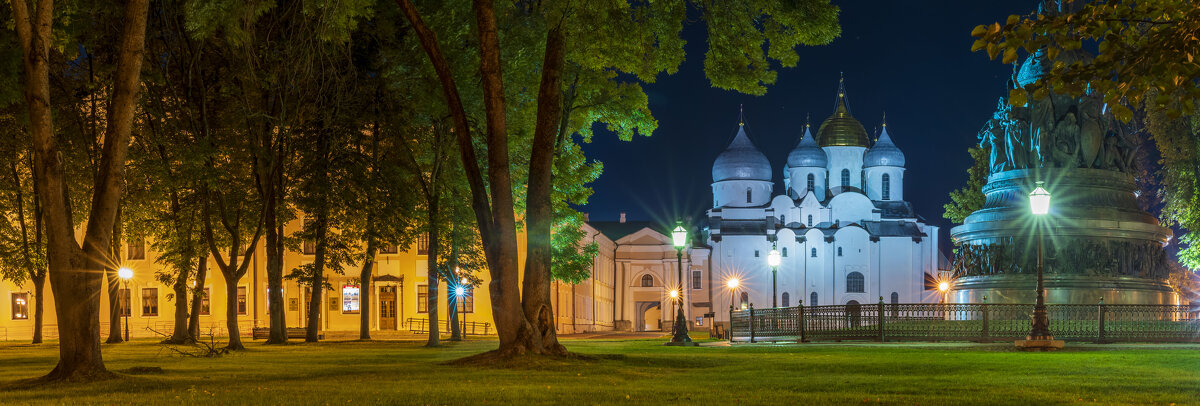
(741, 161)
(615, 230)
(884, 152)
(807, 153)
(893, 229)
(894, 209)
(841, 129)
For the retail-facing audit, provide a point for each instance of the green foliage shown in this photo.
(969, 198)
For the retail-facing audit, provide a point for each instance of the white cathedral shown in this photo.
(842, 228)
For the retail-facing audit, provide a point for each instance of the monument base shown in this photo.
(1041, 344)
(682, 344)
(1062, 289)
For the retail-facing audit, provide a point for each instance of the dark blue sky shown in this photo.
(910, 59)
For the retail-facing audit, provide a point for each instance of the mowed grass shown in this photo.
(625, 372)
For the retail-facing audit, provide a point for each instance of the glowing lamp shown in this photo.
(674, 293)
(943, 286)
(459, 291)
(732, 283)
(773, 258)
(1039, 200)
(125, 273)
(679, 236)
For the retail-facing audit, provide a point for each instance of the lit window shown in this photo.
(855, 283)
(466, 303)
(389, 249)
(423, 244)
(887, 187)
(20, 306)
(241, 300)
(647, 281)
(422, 298)
(350, 299)
(149, 301)
(204, 303)
(845, 177)
(137, 248)
(814, 253)
(812, 182)
(696, 276)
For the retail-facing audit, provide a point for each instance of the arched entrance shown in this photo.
(648, 316)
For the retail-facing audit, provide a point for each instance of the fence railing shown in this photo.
(416, 325)
(982, 322)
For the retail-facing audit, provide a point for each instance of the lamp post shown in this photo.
(126, 274)
(773, 259)
(459, 293)
(680, 336)
(1039, 205)
(732, 284)
(943, 287)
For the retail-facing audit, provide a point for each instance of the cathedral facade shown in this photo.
(842, 229)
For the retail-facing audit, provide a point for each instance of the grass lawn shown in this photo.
(627, 371)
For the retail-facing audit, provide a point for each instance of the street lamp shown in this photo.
(732, 284)
(1039, 204)
(680, 336)
(943, 287)
(459, 293)
(773, 259)
(126, 274)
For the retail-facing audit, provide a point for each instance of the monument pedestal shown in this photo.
(1040, 344)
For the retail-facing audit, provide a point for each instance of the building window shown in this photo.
(423, 244)
(895, 298)
(887, 187)
(241, 300)
(748, 195)
(137, 248)
(845, 177)
(756, 253)
(389, 249)
(422, 298)
(647, 281)
(784, 252)
(149, 301)
(783, 220)
(810, 220)
(205, 308)
(20, 306)
(812, 182)
(839, 251)
(309, 247)
(349, 299)
(745, 299)
(786, 298)
(814, 253)
(123, 301)
(855, 283)
(696, 280)
(466, 303)
(812, 299)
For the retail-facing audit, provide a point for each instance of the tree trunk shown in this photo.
(539, 212)
(198, 298)
(452, 313)
(271, 200)
(39, 288)
(431, 263)
(364, 289)
(454, 281)
(231, 314)
(317, 279)
(181, 334)
(114, 286)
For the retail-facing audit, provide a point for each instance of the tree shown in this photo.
(1145, 68)
(74, 270)
(641, 40)
(22, 240)
(969, 198)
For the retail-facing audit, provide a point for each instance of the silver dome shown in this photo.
(884, 152)
(741, 161)
(807, 153)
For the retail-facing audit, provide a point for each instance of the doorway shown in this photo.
(649, 316)
(387, 307)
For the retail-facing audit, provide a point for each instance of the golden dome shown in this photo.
(841, 129)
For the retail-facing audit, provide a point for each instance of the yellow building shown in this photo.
(630, 278)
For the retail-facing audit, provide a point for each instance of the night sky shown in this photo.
(911, 60)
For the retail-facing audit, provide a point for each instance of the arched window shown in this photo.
(785, 252)
(783, 220)
(647, 281)
(812, 299)
(814, 253)
(785, 299)
(812, 182)
(855, 283)
(895, 298)
(745, 299)
(839, 251)
(887, 187)
(845, 177)
(747, 195)
(810, 220)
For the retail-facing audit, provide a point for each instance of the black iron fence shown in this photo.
(421, 326)
(982, 322)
